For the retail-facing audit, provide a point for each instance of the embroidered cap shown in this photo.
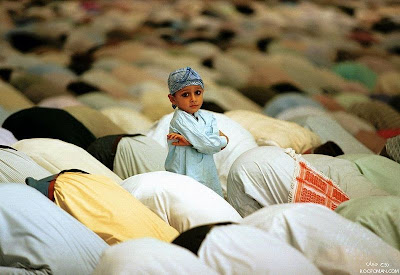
(183, 77)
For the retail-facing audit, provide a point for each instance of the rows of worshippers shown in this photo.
(282, 157)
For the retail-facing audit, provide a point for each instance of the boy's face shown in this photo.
(188, 99)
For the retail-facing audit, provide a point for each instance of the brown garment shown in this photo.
(379, 114)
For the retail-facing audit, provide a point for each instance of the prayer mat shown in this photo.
(310, 186)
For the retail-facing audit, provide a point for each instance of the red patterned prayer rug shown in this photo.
(311, 186)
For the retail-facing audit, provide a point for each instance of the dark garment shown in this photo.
(282, 88)
(395, 102)
(7, 147)
(192, 239)
(105, 148)
(40, 122)
(329, 149)
(212, 106)
(260, 95)
(81, 87)
(46, 185)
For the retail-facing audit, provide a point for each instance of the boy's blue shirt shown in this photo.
(196, 161)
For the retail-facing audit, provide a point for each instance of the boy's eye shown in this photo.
(185, 94)
(198, 92)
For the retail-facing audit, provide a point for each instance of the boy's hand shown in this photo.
(227, 139)
(181, 140)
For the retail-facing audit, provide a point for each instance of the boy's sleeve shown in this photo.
(206, 144)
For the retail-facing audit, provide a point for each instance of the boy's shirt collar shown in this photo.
(196, 114)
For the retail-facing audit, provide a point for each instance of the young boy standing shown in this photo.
(195, 131)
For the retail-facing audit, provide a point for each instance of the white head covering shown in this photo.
(149, 256)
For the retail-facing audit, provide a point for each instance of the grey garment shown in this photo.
(259, 178)
(40, 238)
(16, 166)
(6, 137)
(3, 115)
(393, 148)
(329, 130)
(137, 155)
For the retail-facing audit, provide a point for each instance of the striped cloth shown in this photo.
(393, 148)
(379, 114)
(15, 166)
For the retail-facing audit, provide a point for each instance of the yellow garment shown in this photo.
(108, 209)
(12, 99)
(270, 131)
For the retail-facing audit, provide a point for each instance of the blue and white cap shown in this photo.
(182, 78)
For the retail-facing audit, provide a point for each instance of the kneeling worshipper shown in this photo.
(55, 156)
(180, 200)
(103, 206)
(128, 155)
(328, 129)
(38, 122)
(271, 131)
(269, 175)
(37, 237)
(97, 123)
(331, 242)
(16, 166)
(150, 256)
(379, 214)
(383, 172)
(381, 115)
(240, 249)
